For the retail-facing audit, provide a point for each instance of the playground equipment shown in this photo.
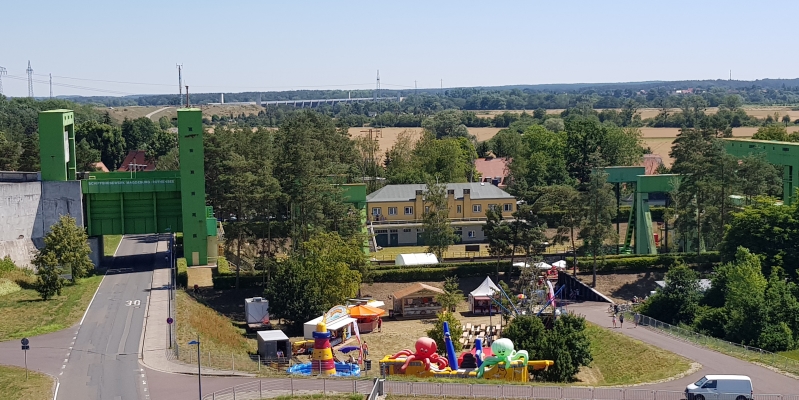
(500, 362)
(322, 361)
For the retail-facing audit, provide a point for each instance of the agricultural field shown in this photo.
(118, 114)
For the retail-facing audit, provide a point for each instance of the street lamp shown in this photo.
(199, 369)
(171, 283)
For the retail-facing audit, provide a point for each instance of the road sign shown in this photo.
(24, 341)
(170, 320)
(25, 347)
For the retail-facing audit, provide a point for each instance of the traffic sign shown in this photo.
(24, 341)
(170, 320)
(25, 347)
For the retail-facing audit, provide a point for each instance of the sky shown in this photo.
(237, 46)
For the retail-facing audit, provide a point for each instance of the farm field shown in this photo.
(759, 112)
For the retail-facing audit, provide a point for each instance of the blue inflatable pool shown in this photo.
(342, 369)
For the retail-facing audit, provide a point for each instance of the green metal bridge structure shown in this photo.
(150, 202)
(639, 237)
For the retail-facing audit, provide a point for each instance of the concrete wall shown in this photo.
(28, 209)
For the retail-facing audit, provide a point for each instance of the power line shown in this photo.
(20, 78)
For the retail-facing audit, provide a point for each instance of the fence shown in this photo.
(296, 386)
(746, 353)
(252, 363)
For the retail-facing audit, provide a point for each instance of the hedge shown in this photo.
(183, 274)
(553, 217)
(222, 265)
(646, 262)
(437, 272)
(228, 281)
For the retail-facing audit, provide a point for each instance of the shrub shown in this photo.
(228, 281)
(183, 274)
(7, 287)
(222, 266)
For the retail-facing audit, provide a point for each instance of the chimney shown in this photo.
(467, 202)
(418, 205)
(453, 211)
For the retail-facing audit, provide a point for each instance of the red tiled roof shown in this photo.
(490, 168)
(140, 159)
(100, 166)
(651, 162)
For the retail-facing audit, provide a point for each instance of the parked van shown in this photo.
(720, 387)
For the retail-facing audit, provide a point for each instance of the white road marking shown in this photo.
(92, 300)
(63, 366)
(61, 373)
(57, 384)
(66, 360)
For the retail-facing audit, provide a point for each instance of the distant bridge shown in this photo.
(318, 102)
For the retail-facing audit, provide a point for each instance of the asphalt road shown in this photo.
(104, 362)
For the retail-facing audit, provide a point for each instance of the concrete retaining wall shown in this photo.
(28, 209)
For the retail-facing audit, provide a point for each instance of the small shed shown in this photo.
(417, 300)
(480, 299)
(416, 259)
(272, 342)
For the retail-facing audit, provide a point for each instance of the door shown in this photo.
(419, 240)
(710, 389)
(393, 240)
(382, 239)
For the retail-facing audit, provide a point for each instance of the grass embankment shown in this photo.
(793, 354)
(110, 244)
(24, 313)
(218, 335)
(14, 386)
(621, 360)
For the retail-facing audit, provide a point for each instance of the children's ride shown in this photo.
(505, 364)
(322, 362)
(505, 356)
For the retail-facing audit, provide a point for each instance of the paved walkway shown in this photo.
(156, 330)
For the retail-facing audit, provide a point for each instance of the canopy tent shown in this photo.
(310, 326)
(365, 311)
(559, 264)
(521, 264)
(542, 265)
(416, 259)
(480, 298)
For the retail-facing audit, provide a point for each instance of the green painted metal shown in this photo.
(57, 145)
(624, 174)
(192, 186)
(785, 154)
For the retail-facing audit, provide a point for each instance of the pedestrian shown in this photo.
(636, 319)
(365, 348)
(379, 324)
(351, 359)
(621, 320)
(614, 320)
(615, 309)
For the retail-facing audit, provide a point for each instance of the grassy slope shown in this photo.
(110, 244)
(14, 386)
(794, 354)
(620, 360)
(25, 314)
(217, 334)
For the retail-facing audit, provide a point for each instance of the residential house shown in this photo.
(396, 211)
(493, 170)
(136, 161)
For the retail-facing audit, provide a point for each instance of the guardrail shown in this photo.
(297, 386)
(746, 353)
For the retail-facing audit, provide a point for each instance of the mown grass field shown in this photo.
(24, 313)
(14, 386)
(110, 244)
(794, 354)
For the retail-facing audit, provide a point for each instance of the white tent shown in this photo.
(416, 259)
(521, 264)
(542, 265)
(482, 296)
(560, 264)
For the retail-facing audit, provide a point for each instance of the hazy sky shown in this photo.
(238, 46)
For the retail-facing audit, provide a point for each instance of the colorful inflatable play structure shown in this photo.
(322, 361)
(499, 362)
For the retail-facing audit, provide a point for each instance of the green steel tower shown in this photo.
(192, 186)
(57, 145)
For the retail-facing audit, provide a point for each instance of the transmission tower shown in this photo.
(377, 88)
(180, 82)
(51, 86)
(30, 79)
(2, 72)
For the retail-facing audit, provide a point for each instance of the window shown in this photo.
(709, 385)
(408, 210)
(427, 209)
(492, 207)
(508, 207)
(476, 208)
(460, 209)
(392, 211)
(376, 211)
(190, 129)
(191, 150)
(193, 214)
(392, 231)
(406, 230)
(381, 231)
(471, 234)
(459, 229)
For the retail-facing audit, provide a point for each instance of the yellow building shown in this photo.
(395, 211)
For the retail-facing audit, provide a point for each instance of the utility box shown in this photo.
(257, 311)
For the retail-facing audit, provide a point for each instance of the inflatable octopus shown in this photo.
(425, 352)
(503, 353)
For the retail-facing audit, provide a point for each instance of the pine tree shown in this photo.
(597, 226)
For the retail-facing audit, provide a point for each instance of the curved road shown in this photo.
(150, 115)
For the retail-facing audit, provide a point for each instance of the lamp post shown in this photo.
(171, 283)
(199, 369)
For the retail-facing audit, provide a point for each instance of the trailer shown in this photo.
(257, 311)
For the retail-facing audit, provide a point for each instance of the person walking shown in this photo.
(636, 319)
(614, 320)
(621, 320)
(379, 324)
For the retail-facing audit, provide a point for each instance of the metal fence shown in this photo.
(295, 386)
(746, 353)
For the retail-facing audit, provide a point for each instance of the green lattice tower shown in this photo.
(192, 186)
(57, 145)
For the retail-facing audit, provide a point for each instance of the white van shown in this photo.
(720, 387)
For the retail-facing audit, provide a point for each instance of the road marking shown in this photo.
(66, 360)
(57, 384)
(95, 295)
(63, 366)
(61, 373)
